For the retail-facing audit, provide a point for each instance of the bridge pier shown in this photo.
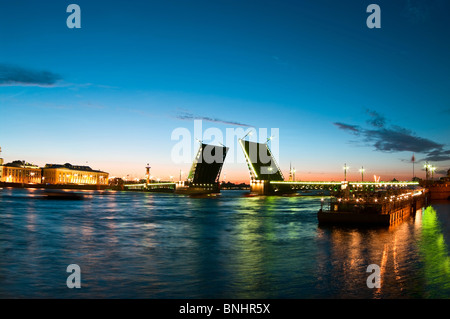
(265, 187)
(258, 187)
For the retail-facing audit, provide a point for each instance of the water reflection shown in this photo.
(345, 253)
(435, 255)
(141, 245)
(271, 259)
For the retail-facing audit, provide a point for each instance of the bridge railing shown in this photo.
(352, 184)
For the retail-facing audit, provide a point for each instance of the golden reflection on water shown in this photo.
(413, 259)
(354, 249)
(343, 254)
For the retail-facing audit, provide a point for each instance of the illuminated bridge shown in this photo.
(203, 176)
(266, 177)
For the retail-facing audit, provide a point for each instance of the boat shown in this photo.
(55, 195)
(373, 210)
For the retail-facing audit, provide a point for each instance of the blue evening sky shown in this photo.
(111, 93)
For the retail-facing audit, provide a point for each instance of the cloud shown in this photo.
(438, 156)
(395, 139)
(441, 172)
(11, 75)
(399, 140)
(353, 128)
(189, 116)
(376, 119)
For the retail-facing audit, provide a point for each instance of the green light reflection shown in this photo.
(435, 255)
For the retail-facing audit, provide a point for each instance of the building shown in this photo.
(68, 174)
(20, 172)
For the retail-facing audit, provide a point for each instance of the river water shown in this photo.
(150, 245)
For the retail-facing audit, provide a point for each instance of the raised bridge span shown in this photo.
(203, 177)
(266, 177)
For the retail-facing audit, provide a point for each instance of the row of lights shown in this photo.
(380, 185)
(428, 167)
(209, 185)
(391, 198)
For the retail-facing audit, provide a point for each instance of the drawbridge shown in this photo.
(264, 169)
(203, 177)
(266, 177)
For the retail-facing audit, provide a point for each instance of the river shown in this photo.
(164, 246)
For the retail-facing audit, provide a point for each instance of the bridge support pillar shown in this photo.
(260, 187)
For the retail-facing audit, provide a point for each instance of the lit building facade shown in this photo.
(57, 174)
(20, 172)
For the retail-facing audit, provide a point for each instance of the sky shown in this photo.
(114, 93)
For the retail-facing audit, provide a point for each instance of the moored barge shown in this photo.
(374, 210)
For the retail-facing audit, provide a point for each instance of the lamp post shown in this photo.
(427, 167)
(432, 168)
(248, 133)
(361, 170)
(345, 171)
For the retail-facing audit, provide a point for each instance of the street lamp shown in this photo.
(293, 174)
(361, 170)
(427, 167)
(270, 171)
(248, 133)
(432, 168)
(345, 171)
